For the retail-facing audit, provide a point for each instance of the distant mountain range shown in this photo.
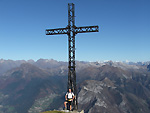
(111, 87)
(6, 65)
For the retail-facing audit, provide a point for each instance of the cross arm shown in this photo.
(56, 31)
(86, 29)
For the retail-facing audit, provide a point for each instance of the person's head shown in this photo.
(69, 90)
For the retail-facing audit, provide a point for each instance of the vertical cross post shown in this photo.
(71, 43)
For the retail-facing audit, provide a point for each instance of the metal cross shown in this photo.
(71, 30)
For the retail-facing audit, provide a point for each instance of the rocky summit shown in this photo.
(64, 111)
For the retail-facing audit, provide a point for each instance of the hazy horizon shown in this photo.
(67, 61)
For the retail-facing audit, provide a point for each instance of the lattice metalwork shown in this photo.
(85, 29)
(57, 31)
(71, 30)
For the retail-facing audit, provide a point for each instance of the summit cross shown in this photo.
(71, 30)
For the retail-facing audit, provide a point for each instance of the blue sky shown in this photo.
(124, 29)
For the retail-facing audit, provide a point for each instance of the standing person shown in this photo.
(69, 98)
